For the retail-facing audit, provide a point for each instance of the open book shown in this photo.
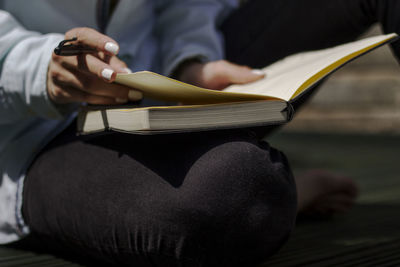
(264, 102)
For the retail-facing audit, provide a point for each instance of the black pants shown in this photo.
(203, 199)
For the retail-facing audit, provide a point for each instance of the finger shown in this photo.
(88, 64)
(94, 86)
(63, 95)
(66, 74)
(113, 61)
(68, 77)
(119, 65)
(92, 38)
(117, 91)
(241, 74)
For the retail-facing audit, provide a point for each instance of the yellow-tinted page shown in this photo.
(159, 87)
(286, 76)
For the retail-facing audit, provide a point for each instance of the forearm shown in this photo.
(188, 30)
(24, 57)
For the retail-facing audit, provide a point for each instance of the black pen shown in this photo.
(66, 48)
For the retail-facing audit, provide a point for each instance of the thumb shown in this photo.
(242, 74)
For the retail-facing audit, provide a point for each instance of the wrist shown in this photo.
(189, 71)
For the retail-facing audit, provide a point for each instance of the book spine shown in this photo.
(105, 119)
(289, 111)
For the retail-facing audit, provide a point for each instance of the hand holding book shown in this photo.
(216, 75)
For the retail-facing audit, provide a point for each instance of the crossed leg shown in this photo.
(202, 199)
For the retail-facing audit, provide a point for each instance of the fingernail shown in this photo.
(127, 70)
(121, 100)
(107, 74)
(258, 72)
(111, 47)
(134, 95)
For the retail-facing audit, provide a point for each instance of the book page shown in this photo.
(284, 80)
(289, 77)
(156, 86)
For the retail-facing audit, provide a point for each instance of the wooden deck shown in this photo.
(369, 235)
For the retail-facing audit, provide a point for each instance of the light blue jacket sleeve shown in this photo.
(189, 29)
(24, 60)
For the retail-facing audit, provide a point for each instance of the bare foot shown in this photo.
(324, 193)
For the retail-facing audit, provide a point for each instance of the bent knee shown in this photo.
(243, 203)
(236, 173)
(236, 206)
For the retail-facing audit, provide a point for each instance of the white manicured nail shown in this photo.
(121, 100)
(258, 72)
(127, 70)
(107, 74)
(111, 47)
(134, 95)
